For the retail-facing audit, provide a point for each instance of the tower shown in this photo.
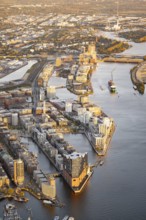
(52, 181)
(18, 171)
(44, 107)
(51, 92)
(58, 62)
(68, 107)
(91, 48)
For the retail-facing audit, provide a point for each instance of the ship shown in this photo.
(112, 86)
(48, 202)
(10, 212)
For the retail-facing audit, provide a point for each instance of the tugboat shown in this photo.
(10, 212)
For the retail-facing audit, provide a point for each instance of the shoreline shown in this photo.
(136, 73)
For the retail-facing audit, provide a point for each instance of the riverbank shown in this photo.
(137, 36)
(109, 46)
(138, 77)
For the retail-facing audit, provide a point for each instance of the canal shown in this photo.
(18, 74)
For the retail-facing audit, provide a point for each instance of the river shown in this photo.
(116, 190)
(138, 49)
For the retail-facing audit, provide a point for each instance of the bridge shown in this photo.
(64, 86)
(123, 58)
(128, 56)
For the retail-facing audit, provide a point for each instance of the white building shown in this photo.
(51, 92)
(68, 107)
(15, 119)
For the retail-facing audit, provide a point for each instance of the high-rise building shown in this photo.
(89, 56)
(58, 62)
(91, 48)
(4, 180)
(51, 92)
(44, 107)
(15, 119)
(68, 107)
(18, 171)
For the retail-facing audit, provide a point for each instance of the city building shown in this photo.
(75, 168)
(89, 56)
(68, 107)
(46, 183)
(15, 119)
(4, 180)
(49, 188)
(51, 92)
(7, 162)
(18, 171)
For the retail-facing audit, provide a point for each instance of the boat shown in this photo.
(10, 212)
(135, 87)
(111, 84)
(48, 202)
(101, 162)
